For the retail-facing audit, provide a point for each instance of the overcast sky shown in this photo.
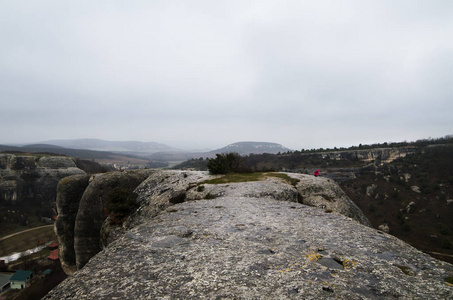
(305, 74)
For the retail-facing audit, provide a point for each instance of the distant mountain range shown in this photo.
(242, 148)
(131, 147)
(44, 148)
(245, 148)
(108, 151)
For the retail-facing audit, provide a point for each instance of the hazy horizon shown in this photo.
(185, 148)
(205, 74)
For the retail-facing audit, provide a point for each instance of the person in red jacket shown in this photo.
(316, 173)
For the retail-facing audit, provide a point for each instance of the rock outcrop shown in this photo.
(81, 206)
(33, 177)
(193, 240)
(376, 155)
(83, 229)
(256, 248)
(326, 194)
(91, 214)
(69, 192)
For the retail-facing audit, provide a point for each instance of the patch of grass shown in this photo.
(285, 177)
(247, 177)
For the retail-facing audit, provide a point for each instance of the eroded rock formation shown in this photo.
(91, 213)
(376, 155)
(33, 177)
(249, 240)
(69, 192)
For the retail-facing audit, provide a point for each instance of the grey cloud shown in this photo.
(304, 74)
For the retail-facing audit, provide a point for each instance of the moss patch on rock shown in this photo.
(247, 177)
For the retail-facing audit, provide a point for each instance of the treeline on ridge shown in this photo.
(301, 161)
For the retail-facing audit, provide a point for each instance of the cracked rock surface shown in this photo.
(252, 246)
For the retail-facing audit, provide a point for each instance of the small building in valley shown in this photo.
(21, 279)
(53, 246)
(5, 280)
(47, 272)
(53, 255)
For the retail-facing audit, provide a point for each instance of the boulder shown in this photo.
(410, 208)
(415, 189)
(371, 190)
(384, 227)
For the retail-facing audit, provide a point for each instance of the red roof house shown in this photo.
(53, 246)
(53, 255)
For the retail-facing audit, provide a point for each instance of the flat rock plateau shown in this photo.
(245, 243)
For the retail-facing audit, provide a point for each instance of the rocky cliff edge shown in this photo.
(239, 241)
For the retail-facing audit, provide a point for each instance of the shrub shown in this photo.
(121, 201)
(224, 163)
(446, 244)
(443, 229)
(406, 226)
(395, 193)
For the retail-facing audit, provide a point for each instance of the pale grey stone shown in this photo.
(256, 248)
(253, 240)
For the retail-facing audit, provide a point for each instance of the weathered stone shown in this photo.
(256, 248)
(406, 177)
(33, 177)
(410, 207)
(69, 192)
(163, 189)
(326, 194)
(384, 227)
(416, 189)
(91, 213)
(371, 190)
(56, 162)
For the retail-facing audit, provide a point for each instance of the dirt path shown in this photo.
(11, 235)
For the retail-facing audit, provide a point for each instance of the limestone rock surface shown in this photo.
(33, 177)
(325, 193)
(162, 189)
(69, 192)
(91, 214)
(240, 247)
